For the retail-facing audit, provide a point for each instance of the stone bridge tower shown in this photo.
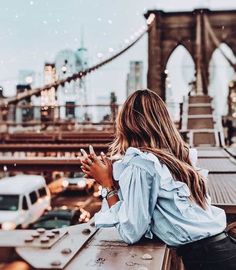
(200, 32)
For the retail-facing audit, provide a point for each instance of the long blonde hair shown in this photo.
(144, 123)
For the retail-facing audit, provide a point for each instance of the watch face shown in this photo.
(104, 192)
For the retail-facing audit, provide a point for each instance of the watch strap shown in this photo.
(106, 190)
(111, 193)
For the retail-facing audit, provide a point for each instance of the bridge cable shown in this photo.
(83, 73)
(216, 41)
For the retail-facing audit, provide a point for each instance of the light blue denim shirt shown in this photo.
(152, 202)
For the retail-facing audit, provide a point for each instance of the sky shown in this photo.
(32, 32)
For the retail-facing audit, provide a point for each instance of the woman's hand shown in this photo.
(98, 169)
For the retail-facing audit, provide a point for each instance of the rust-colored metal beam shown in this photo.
(101, 137)
(37, 164)
(36, 147)
(198, 54)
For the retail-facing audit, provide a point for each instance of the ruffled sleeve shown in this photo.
(132, 214)
(193, 155)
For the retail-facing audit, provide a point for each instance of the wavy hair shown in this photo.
(145, 123)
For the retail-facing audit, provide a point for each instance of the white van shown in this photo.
(23, 199)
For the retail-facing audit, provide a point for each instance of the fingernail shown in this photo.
(91, 149)
(102, 153)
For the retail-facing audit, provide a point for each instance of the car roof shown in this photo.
(20, 184)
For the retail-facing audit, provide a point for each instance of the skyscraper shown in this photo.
(49, 73)
(67, 63)
(48, 96)
(134, 77)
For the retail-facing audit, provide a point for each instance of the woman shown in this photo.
(156, 190)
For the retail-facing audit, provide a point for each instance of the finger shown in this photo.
(105, 159)
(92, 153)
(86, 172)
(92, 157)
(88, 161)
(84, 153)
(91, 150)
(103, 156)
(84, 162)
(86, 167)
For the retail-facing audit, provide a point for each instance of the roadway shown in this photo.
(70, 199)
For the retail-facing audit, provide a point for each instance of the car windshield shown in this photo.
(9, 202)
(51, 224)
(78, 175)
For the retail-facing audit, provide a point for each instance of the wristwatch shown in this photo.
(107, 192)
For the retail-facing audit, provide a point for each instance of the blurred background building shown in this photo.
(67, 63)
(134, 77)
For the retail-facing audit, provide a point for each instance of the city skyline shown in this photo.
(33, 32)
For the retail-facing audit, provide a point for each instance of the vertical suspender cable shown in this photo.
(216, 41)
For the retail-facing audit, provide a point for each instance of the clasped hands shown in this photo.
(97, 167)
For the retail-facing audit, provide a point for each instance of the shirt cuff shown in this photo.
(109, 217)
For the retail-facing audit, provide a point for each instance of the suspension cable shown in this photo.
(83, 73)
(216, 41)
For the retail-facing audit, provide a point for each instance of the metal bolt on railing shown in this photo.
(86, 231)
(56, 263)
(44, 240)
(41, 230)
(50, 235)
(66, 251)
(55, 231)
(29, 239)
(35, 235)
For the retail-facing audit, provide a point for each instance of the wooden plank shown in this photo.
(212, 152)
(217, 165)
(222, 188)
(231, 151)
(200, 99)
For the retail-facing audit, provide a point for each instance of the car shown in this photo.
(61, 217)
(78, 183)
(23, 199)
